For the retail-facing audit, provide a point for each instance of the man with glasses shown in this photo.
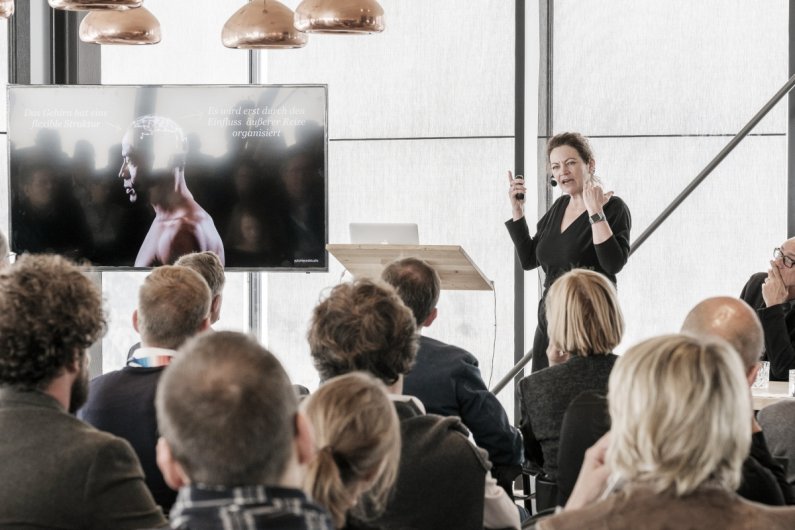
(772, 294)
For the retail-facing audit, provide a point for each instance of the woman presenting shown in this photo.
(585, 228)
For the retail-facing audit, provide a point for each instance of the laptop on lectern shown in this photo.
(384, 233)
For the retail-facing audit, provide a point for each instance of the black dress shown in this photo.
(558, 252)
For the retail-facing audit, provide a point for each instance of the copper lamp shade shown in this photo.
(6, 8)
(339, 16)
(91, 5)
(134, 26)
(262, 24)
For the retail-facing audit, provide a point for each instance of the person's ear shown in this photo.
(173, 474)
(135, 321)
(305, 449)
(592, 167)
(752, 371)
(215, 306)
(428, 321)
(205, 324)
(79, 359)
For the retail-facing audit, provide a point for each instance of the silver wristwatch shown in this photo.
(598, 217)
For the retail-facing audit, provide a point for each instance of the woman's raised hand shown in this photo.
(594, 197)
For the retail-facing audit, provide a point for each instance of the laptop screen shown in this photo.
(384, 233)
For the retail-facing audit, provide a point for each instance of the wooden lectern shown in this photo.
(456, 269)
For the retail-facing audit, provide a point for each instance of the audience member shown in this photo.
(446, 378)
(731, 319)
(778, 423)
(358, 438)
(771, 294)
(443, 479)
(233, 441)
(209, 266)
(679, 408)
(173, 305)
(585, 323)
(58, 472)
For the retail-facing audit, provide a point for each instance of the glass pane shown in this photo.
(455, 191)
(190, 53)
(441, 68)
(645, 67)
(4, 184)
(182, 57)
(724, 232)
(120, 291)
(3, 71)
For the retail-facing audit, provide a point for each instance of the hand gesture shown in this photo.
(594, 197)
(774, 291)
(593, 475)
(516, 187)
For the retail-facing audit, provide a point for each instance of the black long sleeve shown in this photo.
(557, 252)
(778, 323)
(761, 453)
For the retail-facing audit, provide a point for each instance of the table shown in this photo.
(777, 391)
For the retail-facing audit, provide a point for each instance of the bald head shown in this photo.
(732, 320)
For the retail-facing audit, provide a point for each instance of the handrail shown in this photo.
(783, 91)
(512, 372)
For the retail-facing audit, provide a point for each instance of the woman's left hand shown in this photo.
(594, 197)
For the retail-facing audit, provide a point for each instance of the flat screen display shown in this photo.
(136, 176)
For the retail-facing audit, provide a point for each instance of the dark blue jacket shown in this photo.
(447, 380)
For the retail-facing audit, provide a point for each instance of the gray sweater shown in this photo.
(545, 395)
(778, 424)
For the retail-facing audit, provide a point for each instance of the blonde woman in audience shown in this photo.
(679, 408)
(358, 438)
(585, 324)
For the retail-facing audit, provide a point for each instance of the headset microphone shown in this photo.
(552, 181)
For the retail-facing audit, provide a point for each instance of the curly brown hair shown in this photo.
(364, 326)
(50, 313)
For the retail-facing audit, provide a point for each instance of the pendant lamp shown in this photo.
(134, 26)
(339, 16)
(6, 8)
(92, 5)
(262, 24)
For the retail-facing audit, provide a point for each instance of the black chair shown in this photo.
(545, 493)
(586, 420)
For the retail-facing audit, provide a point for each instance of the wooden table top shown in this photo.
(777, 391)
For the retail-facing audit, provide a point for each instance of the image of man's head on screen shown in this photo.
(153, 150)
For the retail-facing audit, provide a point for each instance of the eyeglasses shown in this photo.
(786, 260)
